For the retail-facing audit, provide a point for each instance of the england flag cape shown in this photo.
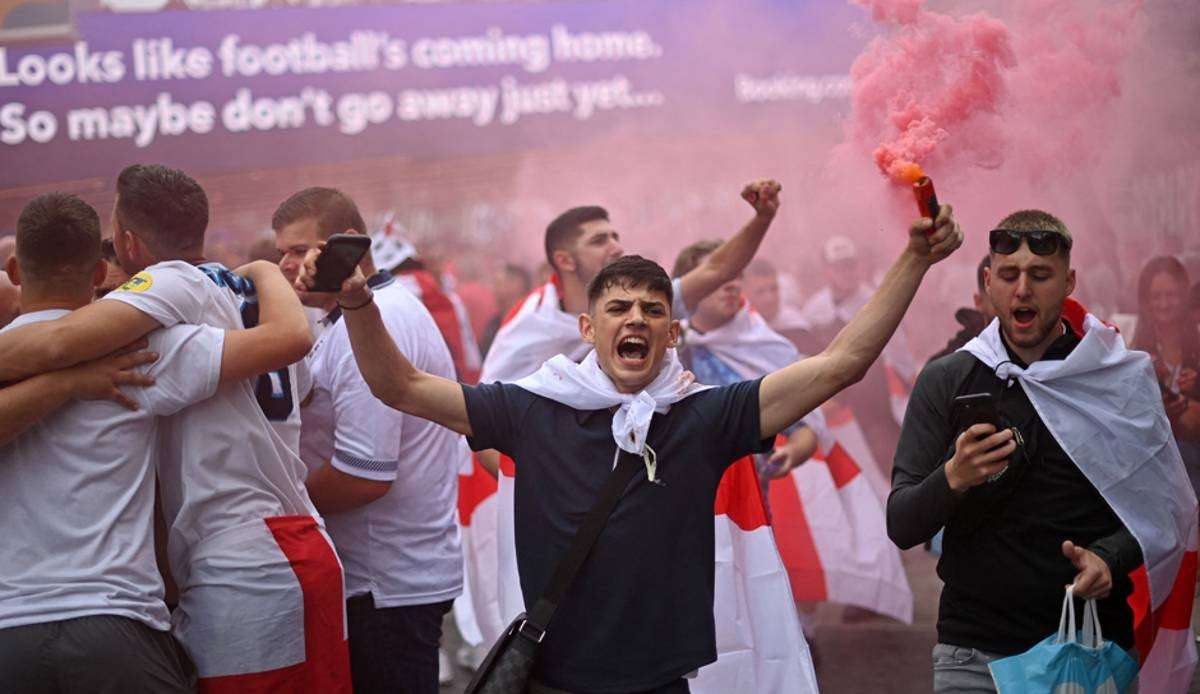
(828, 523)
(750, 586)
(1103, 406)
(534, 331)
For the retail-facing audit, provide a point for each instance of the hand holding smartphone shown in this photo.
(342, 253)
(976, 408)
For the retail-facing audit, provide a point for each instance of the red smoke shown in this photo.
(973, 90)
(931, 78)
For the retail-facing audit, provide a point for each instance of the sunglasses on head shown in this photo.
(1041, 241)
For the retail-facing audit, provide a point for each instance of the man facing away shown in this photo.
(81, 608)
(386, 482)
(639, 616)
(260, 586)
(1077, 482)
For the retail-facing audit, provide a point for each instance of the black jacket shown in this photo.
(1002, 562)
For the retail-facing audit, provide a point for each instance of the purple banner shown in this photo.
(243, 89)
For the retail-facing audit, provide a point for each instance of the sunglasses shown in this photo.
(1041, 241)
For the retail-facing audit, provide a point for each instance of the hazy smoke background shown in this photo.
(1086, 108)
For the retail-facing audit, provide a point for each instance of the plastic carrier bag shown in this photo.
(1068, 662)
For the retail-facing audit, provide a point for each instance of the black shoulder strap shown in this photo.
(589, 531)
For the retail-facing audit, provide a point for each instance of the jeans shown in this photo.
(958, 670)
(394, 649)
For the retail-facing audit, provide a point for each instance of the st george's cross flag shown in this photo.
(829, 523)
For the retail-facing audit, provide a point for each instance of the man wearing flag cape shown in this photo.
(1072, 478)
(638, 617)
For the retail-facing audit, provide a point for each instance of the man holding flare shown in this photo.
(655, 556)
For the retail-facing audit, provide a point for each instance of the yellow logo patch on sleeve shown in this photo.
(138, 283)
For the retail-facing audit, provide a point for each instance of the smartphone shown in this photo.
(337, 261)
(976, 408)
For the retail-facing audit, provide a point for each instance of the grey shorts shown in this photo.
(102, 653)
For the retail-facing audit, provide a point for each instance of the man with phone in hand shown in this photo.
(386, 482)
(1027, 445)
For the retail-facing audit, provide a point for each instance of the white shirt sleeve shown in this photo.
(188, 368)
(172, 292)
(366, 438)
(679, 310)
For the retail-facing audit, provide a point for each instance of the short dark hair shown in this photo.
(332, 209)
(981, 271)
(58, 240)
(631, 271)
(565, 229)
(165, 207)
(689, 258)
(1031, 220)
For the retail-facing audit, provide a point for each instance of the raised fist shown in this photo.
(763, 196)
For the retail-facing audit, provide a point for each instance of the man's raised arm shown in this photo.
(390, 375)
(732, 256)
(793, 391)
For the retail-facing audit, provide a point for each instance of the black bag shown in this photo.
(508, 666)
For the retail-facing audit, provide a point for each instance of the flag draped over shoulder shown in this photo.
(1103, 406)
(828, 521)
(534, 331)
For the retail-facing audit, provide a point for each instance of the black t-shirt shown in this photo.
(640, 613)
(1002, 560)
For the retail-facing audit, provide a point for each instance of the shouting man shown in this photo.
(639, 616)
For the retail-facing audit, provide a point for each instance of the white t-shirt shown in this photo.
(403, 548)
(221, 465)
(77, 493)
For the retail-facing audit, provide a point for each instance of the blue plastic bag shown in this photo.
(1068, 662)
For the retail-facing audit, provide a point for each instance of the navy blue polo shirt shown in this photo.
(640, 613)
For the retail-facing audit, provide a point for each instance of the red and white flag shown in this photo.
(829, 523)
(1135, 466)
(832, 534)
(1163, 637)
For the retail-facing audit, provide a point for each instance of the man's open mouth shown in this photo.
(1024, 317)
(633, 348)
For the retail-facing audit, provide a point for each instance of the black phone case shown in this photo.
(329, 277)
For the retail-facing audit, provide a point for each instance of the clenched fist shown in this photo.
(763, 196)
